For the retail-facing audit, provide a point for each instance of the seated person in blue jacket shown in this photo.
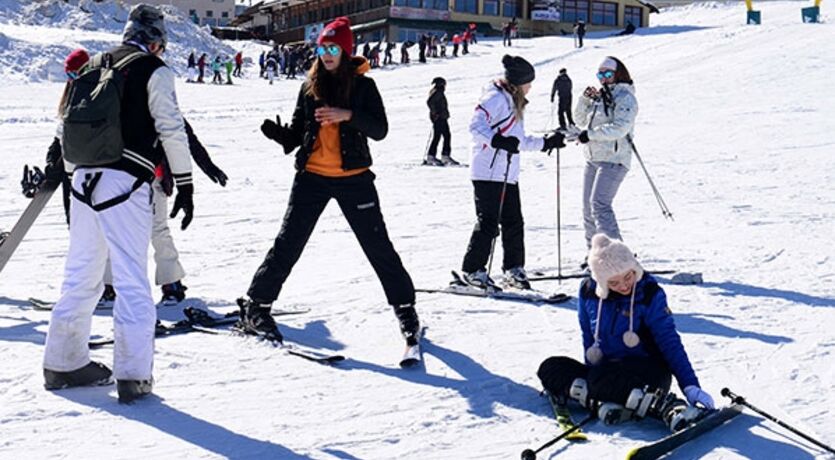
(632, 349)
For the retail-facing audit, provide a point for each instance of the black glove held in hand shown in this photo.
(554, 141)
(509, 144)
(583, 137)
(216, 174)
(184, 201)
(273, 130)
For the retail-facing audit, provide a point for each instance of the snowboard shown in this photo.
(10, 243)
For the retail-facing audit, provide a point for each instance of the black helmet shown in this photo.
(438, 81)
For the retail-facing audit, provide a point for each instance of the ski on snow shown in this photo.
(664, 446)
(458, 287)
(539, 276)
(413, 355)
(565, 421)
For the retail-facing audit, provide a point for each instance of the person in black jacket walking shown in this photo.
(439, 114)
(337, 110)
(562, 88)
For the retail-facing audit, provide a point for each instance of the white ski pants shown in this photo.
(166, 257)
(124, 232)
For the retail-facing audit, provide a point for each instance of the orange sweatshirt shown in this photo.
(326, 158)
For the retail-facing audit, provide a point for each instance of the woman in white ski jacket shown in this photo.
(609, 116)
(498, 136)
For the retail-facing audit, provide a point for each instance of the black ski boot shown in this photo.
(409, 322)
(108, 296)
(173, 293)
(93, 374)
(131, 390)
(257, 320)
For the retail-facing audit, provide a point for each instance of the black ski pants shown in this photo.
(487, 198)
(358, 200)
(611, 381)
(440, 128)
(564, 111)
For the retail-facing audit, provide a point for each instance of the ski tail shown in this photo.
(565, 420)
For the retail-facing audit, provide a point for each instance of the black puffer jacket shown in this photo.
(367, 121)
(438, 109)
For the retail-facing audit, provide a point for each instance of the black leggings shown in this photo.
(611, 381)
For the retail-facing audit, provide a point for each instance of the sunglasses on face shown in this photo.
(333, 50)
(72, 75)
(605, 74)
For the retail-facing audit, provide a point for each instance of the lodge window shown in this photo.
(575, 10)
(633, 14)
(604, 13)
(466, 6)
(509, 9)
(491, 7)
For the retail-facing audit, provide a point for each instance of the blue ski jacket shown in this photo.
(653, 322)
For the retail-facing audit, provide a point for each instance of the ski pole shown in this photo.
(428, 141)
(559, 223)
(664, 209)
(529, 454)
(736, 399)
(499, 219)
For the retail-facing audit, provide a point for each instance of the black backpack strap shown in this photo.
(86, 194)
(122, 63)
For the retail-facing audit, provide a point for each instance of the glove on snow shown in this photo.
(583, 137)
(554, 141)
(509, 144)
(695, 395)
(185, 201)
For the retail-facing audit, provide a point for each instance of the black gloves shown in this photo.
(583, 137)
(273, 130)
(215, 174)
(509, 144)
(184, 201)
(554, 141)
(54, 169)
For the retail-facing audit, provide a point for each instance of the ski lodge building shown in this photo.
(401, 20)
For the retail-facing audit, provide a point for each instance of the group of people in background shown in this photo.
(197, 67)
(285, 60)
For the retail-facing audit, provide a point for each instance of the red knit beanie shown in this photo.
(76, 60)
(339, 32)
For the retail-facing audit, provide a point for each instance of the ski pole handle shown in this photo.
(737, 399)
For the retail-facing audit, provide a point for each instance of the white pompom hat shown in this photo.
(608, 258)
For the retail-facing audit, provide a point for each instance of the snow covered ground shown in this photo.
(734, 126)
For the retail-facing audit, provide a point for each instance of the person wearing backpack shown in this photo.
(130, 92)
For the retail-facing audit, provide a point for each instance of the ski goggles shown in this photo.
(333, 50)
(72, 75)
(605, 74)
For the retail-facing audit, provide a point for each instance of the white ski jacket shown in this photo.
(608, 125)
(495, 114)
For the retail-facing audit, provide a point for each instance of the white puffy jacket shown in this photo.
(608, 126)
(494, 114)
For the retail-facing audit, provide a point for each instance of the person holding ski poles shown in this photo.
(609, 115)
(498, 132)
(632, 348)
(337, 110)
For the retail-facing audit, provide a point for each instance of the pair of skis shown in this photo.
(198, 320)
(459, 287)
(572, 432)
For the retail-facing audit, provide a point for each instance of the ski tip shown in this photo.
(631, 454)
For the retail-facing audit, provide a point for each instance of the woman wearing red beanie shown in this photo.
(338, 109)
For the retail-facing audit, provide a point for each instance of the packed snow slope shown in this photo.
(735, 128)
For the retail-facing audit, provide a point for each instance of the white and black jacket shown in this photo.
(495, 114)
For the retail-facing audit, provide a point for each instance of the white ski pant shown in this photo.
(166, 257)
(122, 231)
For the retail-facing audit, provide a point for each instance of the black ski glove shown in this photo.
(583, 137)
(215, 174)
(509, 144)
(54, 169)
(185, 201)
(274, 130)
(554, 141)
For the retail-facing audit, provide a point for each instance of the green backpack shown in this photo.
(92, 114)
